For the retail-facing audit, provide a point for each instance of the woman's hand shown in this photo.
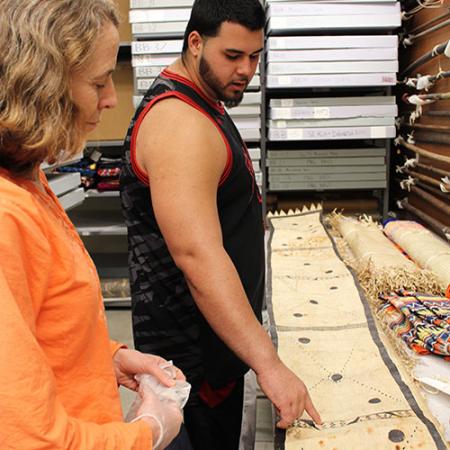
(164, 418)
(128, 363)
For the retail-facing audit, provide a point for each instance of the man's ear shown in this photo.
(195, 43)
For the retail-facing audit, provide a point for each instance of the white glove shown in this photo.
(162, 404)
(166, 415)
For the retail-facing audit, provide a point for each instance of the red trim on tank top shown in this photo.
(175, 76)
(142, 176)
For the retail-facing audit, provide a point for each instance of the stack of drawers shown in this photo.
(157, 28)
(330, 116)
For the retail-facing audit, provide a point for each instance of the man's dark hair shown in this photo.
(208, 15)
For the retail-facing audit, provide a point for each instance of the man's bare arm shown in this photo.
(184, 156)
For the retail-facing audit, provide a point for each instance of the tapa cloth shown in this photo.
(423, 247)
(327, 335)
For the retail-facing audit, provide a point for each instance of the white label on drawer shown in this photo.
(321, 112)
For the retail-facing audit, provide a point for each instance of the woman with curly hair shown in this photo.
(59, 370)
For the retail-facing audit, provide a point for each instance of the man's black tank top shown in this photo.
(166, 320)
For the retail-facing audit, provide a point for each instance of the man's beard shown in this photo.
(214, 84)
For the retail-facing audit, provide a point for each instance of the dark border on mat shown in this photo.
(280, 435)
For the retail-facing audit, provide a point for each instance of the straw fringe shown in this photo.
(375, 281)
(408, 358)
(393, 279)
(388, 278)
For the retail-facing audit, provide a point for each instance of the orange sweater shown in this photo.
(58, 389)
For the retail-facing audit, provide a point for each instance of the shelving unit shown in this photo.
(416, 189)
(330, 114)
(65, 186)
(95, 193)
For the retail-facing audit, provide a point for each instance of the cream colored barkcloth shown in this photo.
(380, 266)
(326, 335)
(424, 247)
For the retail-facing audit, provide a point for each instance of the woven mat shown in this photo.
(326, 334)
(422, 246)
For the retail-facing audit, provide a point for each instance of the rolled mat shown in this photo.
(380, 265)
(423, 247)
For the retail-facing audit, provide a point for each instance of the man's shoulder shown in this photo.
(170, 103)
(180, 115)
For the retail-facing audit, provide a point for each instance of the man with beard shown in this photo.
(195, 228)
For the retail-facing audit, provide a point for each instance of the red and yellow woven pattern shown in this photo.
(421, 320)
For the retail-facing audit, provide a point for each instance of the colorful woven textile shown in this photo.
(108, 172)
(421, 320)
